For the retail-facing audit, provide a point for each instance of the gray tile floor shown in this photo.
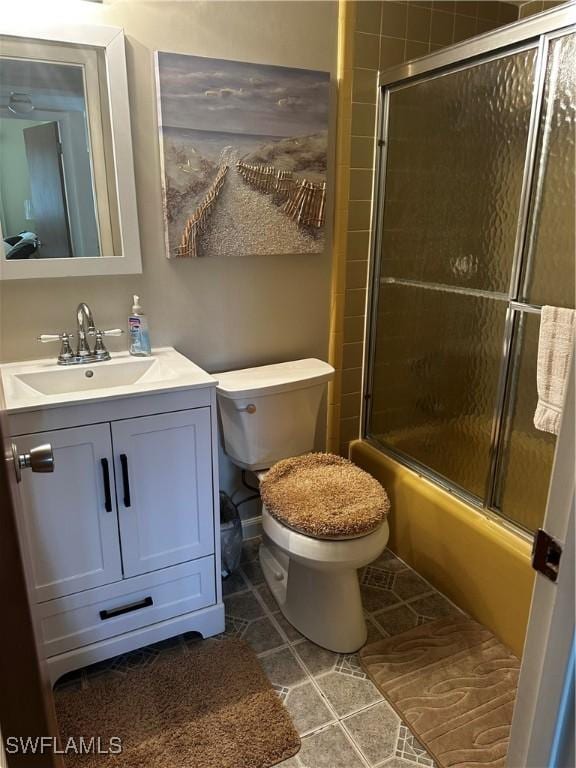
(342, 718)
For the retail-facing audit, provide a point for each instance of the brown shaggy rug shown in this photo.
(454, 684)
(209, 706)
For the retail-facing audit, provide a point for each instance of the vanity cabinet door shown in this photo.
(70, 522)
(164, 491)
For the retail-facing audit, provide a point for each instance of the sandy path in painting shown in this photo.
(246, 222)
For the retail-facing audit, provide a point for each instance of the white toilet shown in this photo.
(270, 413)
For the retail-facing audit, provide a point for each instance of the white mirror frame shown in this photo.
(111, 41)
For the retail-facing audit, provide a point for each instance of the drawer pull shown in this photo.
(111, 614)
(106, 478)
(125, 479)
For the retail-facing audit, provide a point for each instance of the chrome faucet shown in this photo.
(85, 327)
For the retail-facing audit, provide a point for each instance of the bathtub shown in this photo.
(482, 566)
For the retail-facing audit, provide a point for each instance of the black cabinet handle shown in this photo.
(106, 478)
(126, 609)
(125, 479)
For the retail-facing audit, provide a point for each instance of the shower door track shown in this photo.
(532, 33)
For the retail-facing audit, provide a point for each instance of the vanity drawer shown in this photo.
(87, 617)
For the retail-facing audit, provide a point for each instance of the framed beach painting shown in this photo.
(244, 154)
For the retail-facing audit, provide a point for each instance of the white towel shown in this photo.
(555, 349)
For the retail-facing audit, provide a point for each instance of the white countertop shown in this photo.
(37, 384)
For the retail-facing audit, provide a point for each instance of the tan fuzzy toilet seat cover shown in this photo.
(324, 496)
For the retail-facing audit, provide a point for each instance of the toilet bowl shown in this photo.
(315, 581)
(268, 414)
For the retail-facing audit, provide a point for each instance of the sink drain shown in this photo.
(89, 374)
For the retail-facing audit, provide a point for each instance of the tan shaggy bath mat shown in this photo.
(454, 684)
(210, 706)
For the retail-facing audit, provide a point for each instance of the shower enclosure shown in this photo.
(474, 233)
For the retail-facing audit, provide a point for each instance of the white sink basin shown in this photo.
(59, 381)
(40, 383)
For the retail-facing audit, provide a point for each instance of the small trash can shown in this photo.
(230, 535)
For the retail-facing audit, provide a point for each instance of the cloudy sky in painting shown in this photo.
(217, 95)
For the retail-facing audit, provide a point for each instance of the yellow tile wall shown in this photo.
(537, 6)
(375, 35)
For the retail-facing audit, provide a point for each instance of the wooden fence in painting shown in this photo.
(197, 222)
(302, 200)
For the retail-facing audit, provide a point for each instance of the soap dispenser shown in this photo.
(138, 330)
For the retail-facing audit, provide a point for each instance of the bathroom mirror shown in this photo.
(67, 192)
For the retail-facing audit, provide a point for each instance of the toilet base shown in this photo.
(324, 605)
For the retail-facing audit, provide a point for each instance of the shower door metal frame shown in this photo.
(532, 33)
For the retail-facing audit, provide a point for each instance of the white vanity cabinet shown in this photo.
(122, 538)
(163, 489)
(71, 536)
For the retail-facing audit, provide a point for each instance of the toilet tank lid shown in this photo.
(266, 379)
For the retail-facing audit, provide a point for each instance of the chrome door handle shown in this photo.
(40, 459)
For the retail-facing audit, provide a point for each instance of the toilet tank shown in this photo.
(270, 413)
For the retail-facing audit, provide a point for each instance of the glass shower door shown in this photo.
(548, 278)
(448, 241)
(476, 232)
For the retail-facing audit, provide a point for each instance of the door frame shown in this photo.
(542, 709)
(26, 701)
(55, 128)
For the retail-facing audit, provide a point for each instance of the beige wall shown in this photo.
(376, 35)
(220, 312)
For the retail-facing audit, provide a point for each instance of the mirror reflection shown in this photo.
(46, 197)
(57, 194)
